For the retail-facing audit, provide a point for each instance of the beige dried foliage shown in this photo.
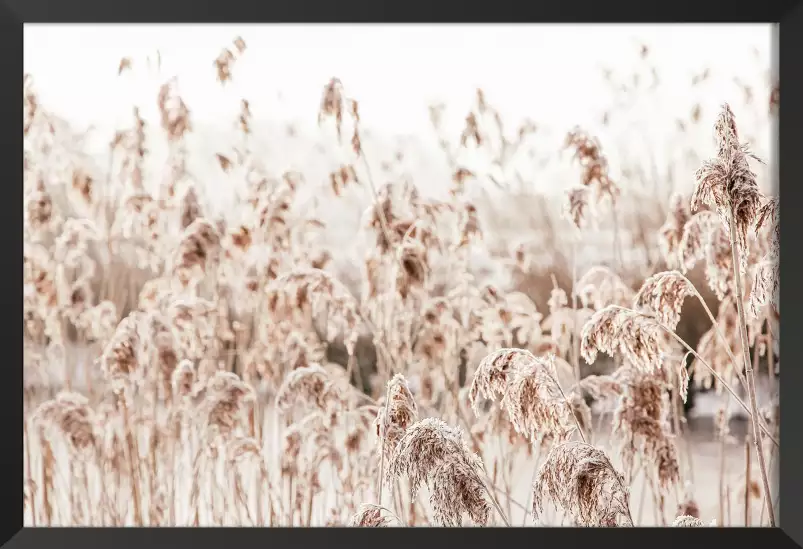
(766, 285)
(222, 411)
(531, 395)
(316, 292)
(713, 349)
(581, 480)
(433, 453)
(70, 418)
(576, 205)
(601, 286)
(120, 361)
(614, 330)
(686, 521)
(183, 379)
(588, 153)
(767, 273)
(493, 373)
(220, 392)
(672, 231)
(310, 388)
(640, 421)
(663, 295)
(726, 183)
(369, 516)
(601, 387)
(394, 418)
(693, 243)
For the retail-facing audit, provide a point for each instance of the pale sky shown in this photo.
(548, 72)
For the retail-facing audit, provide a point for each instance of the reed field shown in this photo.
(395, 333)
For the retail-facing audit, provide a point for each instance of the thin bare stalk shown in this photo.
(747, 480)
(676, 422)
(773, 454)
(398, 501)
(47, 480)
(532, 481)
(770, 356)
(493, 501)
(382, 445)
(569, 404)
(641, 498)
(488, 481)
(505, 475)
(751, 381)
(704, 363)
(617, 245)
(574, 341)
(718, 331)
(29, 476)
(723, 463)
(134, 459)
(728, 504)
(382, 220)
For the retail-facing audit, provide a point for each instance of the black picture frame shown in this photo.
(15, 13)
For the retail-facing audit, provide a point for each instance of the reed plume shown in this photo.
(686, 521)
(370, 516)
(432, 453)
(727, 184)
(582, 481)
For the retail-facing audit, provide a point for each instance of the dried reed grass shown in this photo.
(237, 378)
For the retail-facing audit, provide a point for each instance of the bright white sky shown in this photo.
(548, 72)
